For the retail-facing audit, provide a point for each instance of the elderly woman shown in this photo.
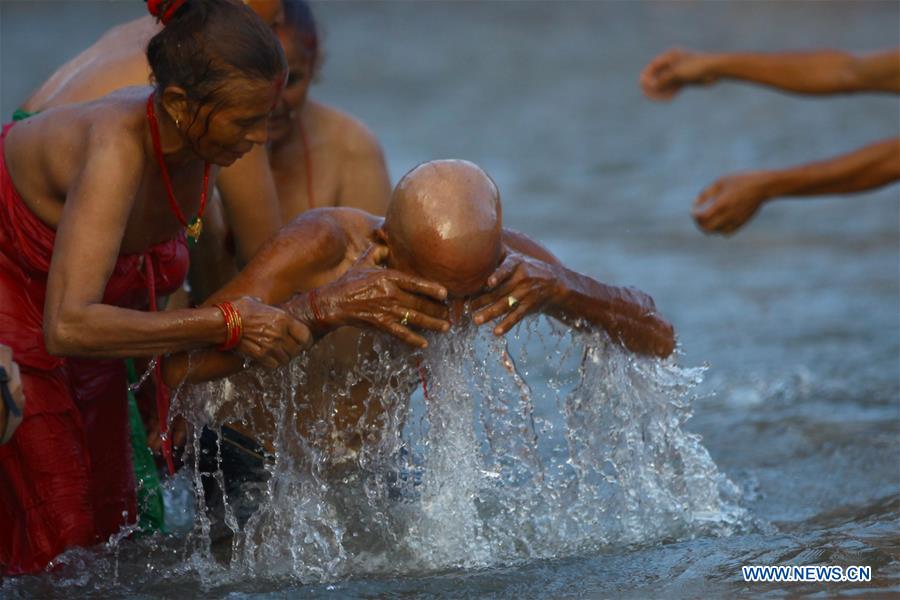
(96, 200)
(117, 60)
(318, 154)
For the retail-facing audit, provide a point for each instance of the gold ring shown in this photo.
(512, 301)
(405, 319)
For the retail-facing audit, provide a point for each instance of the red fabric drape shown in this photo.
(65, 477)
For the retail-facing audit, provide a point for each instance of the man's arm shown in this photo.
(727, 204)
(313, 243)
(531, 279)
(816, 72)
(302, 270)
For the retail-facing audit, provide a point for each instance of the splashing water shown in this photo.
(543, 444)
(530, 447)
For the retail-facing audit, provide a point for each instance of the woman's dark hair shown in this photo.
(298, 17)
(205, 43)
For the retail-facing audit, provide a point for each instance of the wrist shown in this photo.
(716, 66)
(771, 184)
(564, 287)
(234, 326)
(313, 313)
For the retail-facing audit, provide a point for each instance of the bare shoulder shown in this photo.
(109, 130)
(111, 127)
(306, 249)
(352, 135)
(331, 228)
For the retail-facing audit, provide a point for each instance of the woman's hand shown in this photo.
(727, 204)
(271, 336)
(10, 416)
(667, 73)
(371, 296)
(520, 286)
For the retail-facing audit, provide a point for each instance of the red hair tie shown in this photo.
(162, 12)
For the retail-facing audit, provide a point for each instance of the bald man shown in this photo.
(441, 244)
(339, 270)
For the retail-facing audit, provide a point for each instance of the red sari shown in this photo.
(66, 477)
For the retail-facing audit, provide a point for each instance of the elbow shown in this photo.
(665, 344)
(60, 340)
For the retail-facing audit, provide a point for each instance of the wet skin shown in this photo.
(441, 240)
(731, 201)
(106, 196)
(118, 60)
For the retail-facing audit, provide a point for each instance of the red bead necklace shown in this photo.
(195, 227)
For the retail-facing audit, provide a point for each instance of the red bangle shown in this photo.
(234, 326)
(314, 305)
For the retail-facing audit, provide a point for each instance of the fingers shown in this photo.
(427, 306)
(299, 333)
(517, 314)
(421, 320)
(504, 271)
(658, 79)
(491, 312)
(417, 285)
(704, 220)
(707, 194)
(255, 351)
(403, 334)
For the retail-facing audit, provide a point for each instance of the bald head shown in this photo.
(444, 223)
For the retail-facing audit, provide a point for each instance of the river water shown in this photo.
(796, 318)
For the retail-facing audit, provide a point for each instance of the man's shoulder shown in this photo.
(330, 227)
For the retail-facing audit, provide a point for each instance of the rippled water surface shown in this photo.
(796, 317)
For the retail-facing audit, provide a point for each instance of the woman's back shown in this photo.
(116, 60)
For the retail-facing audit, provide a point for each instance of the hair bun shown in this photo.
(164, 10)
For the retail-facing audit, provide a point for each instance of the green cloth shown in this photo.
(151, 511)
(21, 115)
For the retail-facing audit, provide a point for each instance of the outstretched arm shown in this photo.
(726, 205)
(815, 72)
(530, 280)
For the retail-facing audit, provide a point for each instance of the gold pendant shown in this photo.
(195, 229)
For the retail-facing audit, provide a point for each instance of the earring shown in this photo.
(177, 123)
